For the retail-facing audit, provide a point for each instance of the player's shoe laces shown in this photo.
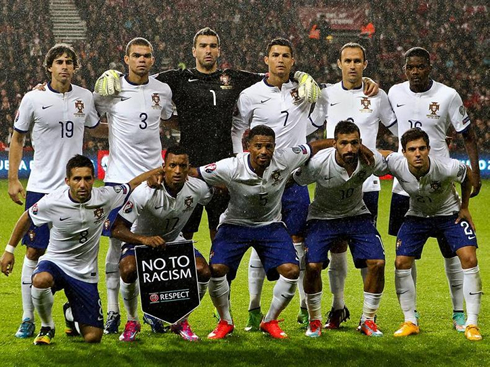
(184, 330)
(222, 330)
(273, 329)
(472, 332)
(70, 328)
(336, 317)
(26, 329)
(314, 329)
(112, 323)
(130, 330)
(157, 325)
(369, 328)
(459, 321)
(46, 334)
(303, 317)
(406, 329)
(254, 319)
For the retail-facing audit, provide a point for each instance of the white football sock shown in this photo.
(300, 252)
(282, 294)
(314, 302)
(455, 276)
(219, 290)
(414, 277)
(130, 293)
(28, 268)
(370, 306)
(472, 289)
(256, 277)
(405, 291)
(112, 274)
(337, 272)
(203, 287)
(43, 301)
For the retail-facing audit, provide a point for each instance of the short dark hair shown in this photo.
(206, 31)
(280, 42)
(414, 134)
(175, 150)
(353, 45)
(418, 52)
(138, 41)
(79, 161)
(56, 51)
(261, 130)
(346, 127)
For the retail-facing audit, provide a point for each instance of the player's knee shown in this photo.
(34, 253)
(93, 336)
(203, 271)
(289, 271)
(127, 269)
(313, 270)
(218, 270)
(467, 256)
(376, 266)
(43, 280)
(403, 262)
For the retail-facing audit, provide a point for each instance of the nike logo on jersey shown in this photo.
(399, 105)
(124, 98)
(62, 219)
(44, 107)
(471, 237)
(265, 100)
(192, 80)
(333, 104)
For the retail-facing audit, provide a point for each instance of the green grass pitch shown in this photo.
(437, 345)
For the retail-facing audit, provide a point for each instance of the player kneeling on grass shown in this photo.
(435, 209)
(153, 217)
(75, 215)
(337, 213)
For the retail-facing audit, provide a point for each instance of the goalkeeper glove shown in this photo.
(108, 83)
(308, 89)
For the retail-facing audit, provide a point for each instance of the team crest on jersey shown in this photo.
(365, 103)
(189, 200)
(225, 80)
(98, 213)
(120, 188)
(128, 208)
(210, 168)
(433, 108)
(276, 177)
(32, 235)
(79, 106)
(295, 95)
(435, 186)
(155, 98)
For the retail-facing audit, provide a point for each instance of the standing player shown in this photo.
(346, 101)
(134, 117)
(338, 212)
(435, 207)
(57, 118)
(159, 216)
(75, 215)
(424, 103)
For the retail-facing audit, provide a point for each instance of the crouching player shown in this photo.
(75, 215)
(338, 212)
(435, 209)
(153, 217)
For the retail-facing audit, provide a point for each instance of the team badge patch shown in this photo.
(154, 298)
(365, 103)
(435, 186)
(98, 213)
(128, 208)
(225, 80)
(189, 200)
(35, 209)
(32, 235)
(398, 243)
(300, 149)
(155, 98)
(79, 106)
(462, 110)
(210, 168)
(120, 188)
(295, 95)
(276, 177)
(107, 224)
(433, 108)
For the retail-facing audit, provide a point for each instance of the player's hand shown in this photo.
(476, 183)
(366, 155)
(40, 86)
(15, 189)
(108, 83)
(7, 261)
(155, 181)
(308, 89)
(153, 241)
(464, 214)
(371, 88)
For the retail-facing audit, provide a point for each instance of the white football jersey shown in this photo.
(337, 103)
(254, 201)
(75, 228)
(134, 127)
(157, 213)
(337, 194)
(434, 193)
(279, 109)
(57, 121)
(433, 111)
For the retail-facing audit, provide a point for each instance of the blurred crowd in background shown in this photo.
(456, 33)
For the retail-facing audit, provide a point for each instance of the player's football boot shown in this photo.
(273, 329)
(314, 329)
(112, 323)
(459, 322)
(472, 332)
(45, 336)
(406, 329)
(184, 330)
(222, 330)
(303, 317)
(70, 328)
(336, 317)
(369, 328)
(254, 319)
(157, 325)
(130, 330)
(26, 329)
